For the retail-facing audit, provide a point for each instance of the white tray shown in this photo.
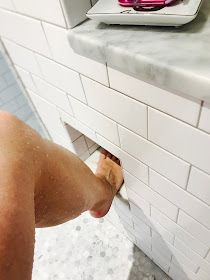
(110, 12)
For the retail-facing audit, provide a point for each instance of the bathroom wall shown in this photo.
(161, 138)
(12, 97)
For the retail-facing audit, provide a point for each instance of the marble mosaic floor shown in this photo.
(90, 249)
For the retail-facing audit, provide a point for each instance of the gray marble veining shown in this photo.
(176, 59)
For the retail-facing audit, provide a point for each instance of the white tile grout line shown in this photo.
(147, 122)
(184, 189)
(172, 204)
(188, 178)
(80, 77)
(156, 172)
(32, 17)
(199, 114)
(48, 44)
(178, 157)
(197, 270)
(111, 119)
(118, 133)
(107, 73)
(207, 254)
(177, 216)
(63, 13)
(56, 61)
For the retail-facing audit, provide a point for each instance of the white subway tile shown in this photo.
(204, 123)
(183, 273)
(187, 251)
(135, 167)
(48, 10)
(160, 260)
(144, 216)
(202, 275)
(116, 106)
(149, 195)
(126, 223)
(179, 259)
(72, 122)
(150, 154)
(194, 228)
(24, 31)
(62, 77)
(162, 232)
(205, 266)
(63, 53)
(22, 57)
(96, 121)
(141, 228)
(199, 185)
(130, 236)
(142, 211)
(177, 273)
(53, 95)
(182, 108)
(181, 139)
(145, 246)
(122, 206)
(142, 233)
(26, 78)
(125, 220)
(179, 232)
(158, 244)
(7, 4)
(53, 124)
(187, 202)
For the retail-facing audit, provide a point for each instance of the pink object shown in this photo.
(145, 3)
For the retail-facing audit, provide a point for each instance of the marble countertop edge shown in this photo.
(177, 60)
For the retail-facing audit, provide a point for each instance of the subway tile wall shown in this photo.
(12, 98)
(161, 138)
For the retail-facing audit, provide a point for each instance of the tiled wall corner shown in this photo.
(204, 123)
(75, 11)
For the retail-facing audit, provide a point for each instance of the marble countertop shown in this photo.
(176, 59)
